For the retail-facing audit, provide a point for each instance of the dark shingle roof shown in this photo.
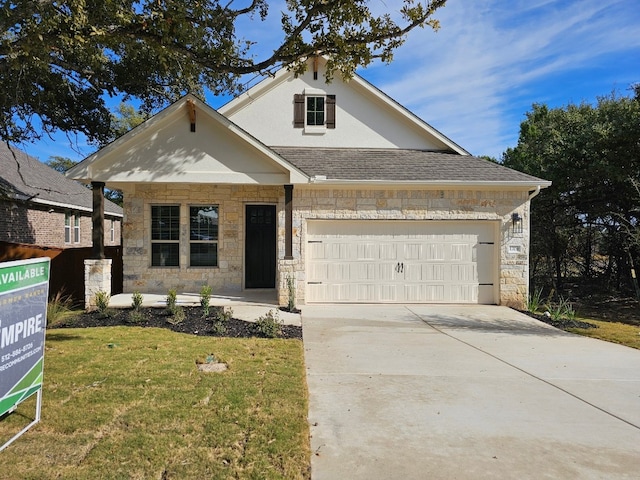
(398, 165)
(25, 178)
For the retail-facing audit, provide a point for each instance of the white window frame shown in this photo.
(195, 240)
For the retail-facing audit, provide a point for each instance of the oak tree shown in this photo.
(61, 59)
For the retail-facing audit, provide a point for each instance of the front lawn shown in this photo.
(615, 332)
(130, 403)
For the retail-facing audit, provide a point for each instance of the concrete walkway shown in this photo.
(466, 392)
(247, 306)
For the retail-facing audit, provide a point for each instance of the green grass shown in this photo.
(129, 403)
(615, 332)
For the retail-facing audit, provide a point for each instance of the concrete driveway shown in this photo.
(465, 392)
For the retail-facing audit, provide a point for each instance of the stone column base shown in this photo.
(97, 278)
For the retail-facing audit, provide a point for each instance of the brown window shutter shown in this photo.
(298, 111)
(331, 111)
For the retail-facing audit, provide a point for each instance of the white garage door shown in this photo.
(401, 261)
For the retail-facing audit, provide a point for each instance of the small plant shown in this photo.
(136, 300)
(59, 308)
(205, 294)
(291, 290)
(560, 309)
(172, 301)
(220, 320)
(535, 301)
(135, 316)
(178, 316)
(102, 302)
(269, 325)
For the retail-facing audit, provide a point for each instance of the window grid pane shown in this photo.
(165, 254)
(165, 222)
(203, 228)
(204, 255)
(315, 111)
(165, 226)
(203, 222)
(76, 229)
(67, 228)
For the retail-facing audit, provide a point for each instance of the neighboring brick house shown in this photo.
(334, 190)
(40, 206)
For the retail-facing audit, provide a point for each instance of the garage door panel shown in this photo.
(412, 261)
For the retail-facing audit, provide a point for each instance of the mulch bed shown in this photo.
(194, 323)
(562, 323)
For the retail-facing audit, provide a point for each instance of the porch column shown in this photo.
(97, 217)
(288, 222)
(97, 269)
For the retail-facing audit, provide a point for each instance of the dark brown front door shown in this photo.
(260, 247)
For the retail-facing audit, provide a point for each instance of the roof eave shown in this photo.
(433, 183)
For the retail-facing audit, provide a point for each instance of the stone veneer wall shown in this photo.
(228, 277)
(416, 204)
(309, 202)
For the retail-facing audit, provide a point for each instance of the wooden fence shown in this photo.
(67, 266)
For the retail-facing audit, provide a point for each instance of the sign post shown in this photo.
(24, 289)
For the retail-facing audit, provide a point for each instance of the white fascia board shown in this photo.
(70, 206)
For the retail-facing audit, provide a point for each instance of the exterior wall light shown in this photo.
(516, 222)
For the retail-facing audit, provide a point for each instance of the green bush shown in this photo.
(172, 301)
(135, 316)
(177, 316)
(136, 300)
(220, 320)
(269, 325)
(291, 290)
(102, 299)
(205, 294)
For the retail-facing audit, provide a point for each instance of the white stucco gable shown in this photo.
(365, 117)
(164, 149)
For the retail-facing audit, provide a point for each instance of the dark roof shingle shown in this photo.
(398, 165)
(24, 177)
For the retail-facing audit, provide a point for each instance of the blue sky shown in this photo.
(475, 78)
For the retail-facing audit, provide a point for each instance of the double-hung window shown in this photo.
(165, 235)
(314, 111)
(71, 228)
(203, 237)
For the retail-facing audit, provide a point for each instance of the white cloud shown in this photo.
(476, 77)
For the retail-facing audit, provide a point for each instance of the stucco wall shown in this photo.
(312, 202)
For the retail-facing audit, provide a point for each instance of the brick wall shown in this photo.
(44, 226)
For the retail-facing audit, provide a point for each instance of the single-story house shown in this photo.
(332, 191)
(40, 206)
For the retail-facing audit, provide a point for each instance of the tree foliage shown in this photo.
(59, 59)
(586, 224)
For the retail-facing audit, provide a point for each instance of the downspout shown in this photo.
(534, 193)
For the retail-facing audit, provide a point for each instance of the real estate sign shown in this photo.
(24, 288)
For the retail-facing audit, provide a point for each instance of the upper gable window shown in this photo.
(314, 111)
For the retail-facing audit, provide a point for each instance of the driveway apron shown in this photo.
(457, 392)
